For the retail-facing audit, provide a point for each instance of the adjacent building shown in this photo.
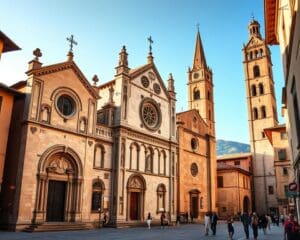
(282, 21)
(234, 184)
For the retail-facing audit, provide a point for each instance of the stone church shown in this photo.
(77, 151)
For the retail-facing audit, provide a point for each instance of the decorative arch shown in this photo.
(162, 162)
(59, 182)
(45, 113)
(136, 187)
(83, 124)
(149, 160)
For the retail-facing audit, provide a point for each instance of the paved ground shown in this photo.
(183, 232)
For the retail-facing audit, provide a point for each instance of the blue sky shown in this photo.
(102, 27)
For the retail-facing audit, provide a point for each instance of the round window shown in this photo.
(66, 105)
(194, 144)
(145, 81)
(150, 114)
(194, 169)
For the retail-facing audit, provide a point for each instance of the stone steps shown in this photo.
(56, 226)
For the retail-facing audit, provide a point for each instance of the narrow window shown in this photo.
(220, 182)
(263, 112)
(97, 196)
(282, 154)
(237, 162)
(196, 94)
(270, 190)
(255, 113)
(256, 71)
(285, 171)
(261, 89)
(253, 90)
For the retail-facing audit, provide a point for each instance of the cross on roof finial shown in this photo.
(72, 41)
(198, 25)
(37, 53)
(150, 44)
(252, 17)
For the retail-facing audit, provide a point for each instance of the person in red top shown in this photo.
(291, 229)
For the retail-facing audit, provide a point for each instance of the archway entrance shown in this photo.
(246, 204)
(59, 186)
(135, 198)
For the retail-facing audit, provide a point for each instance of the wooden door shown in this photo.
(134, 205)
(56, 201)
(194, 206)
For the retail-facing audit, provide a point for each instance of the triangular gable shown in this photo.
(191, 114)
(140, 70)
(64, 66)
(254, 41)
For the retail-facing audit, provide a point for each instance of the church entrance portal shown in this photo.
(194, 203)
(56, 201)
(134, 205)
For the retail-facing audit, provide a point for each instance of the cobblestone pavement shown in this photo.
(183, 232)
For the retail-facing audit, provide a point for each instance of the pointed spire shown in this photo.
(171, 83)
(123, 62)
(199, 57)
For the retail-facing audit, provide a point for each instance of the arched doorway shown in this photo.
(246, 204)
(194, 203)
(135, 197)
(58, 186)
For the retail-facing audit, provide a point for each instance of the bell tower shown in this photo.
(200, 87)
(262, 113)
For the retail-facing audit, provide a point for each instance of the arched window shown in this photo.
(251, 55)
(256, 54)
(196, 94)
(263, 112)
(208, 95)
(99, 156)
(161, 198)
(97, 193)
(255, 113)
(253, 90)
(134, 156)
(256, 71)
(261, 88)
(261, 52)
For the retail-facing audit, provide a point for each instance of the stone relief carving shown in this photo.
(135, 183)
(59, 166)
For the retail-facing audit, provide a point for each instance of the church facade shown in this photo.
(76, 151)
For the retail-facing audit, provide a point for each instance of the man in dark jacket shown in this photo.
(214, 220)
(246, 222)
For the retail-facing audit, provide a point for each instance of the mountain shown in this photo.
(229, 147)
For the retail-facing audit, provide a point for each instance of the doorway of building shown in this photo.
(194, 206)
(56, 201)
(134, 205)
(246, 204)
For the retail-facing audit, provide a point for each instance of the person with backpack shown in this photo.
(254, 223)
(291, 229)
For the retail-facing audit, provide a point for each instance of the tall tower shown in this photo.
(200, 87)
(262, 113)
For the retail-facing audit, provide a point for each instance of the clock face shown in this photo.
(150, 114)
(196, 75)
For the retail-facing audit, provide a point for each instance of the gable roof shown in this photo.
(195, 113)
(222, 166)
(64, 66)
(9, 45)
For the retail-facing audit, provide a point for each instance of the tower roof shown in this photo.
(199, 56)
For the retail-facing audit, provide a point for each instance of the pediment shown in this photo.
(192, 120)
(148, 78)
(70, 65)
(254, 42)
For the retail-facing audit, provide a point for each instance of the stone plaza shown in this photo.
(188, 231)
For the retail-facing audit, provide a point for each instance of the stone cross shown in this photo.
(72, 41)
(150, 43)
(37, 53)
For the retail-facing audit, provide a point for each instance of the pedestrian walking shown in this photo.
(269, 222)
(230, 228)
(214, 220)
(149, 220)
(263, 223)
(207, 223)
(162, 220)
(246, 220)
(291, 229)
(254, 224)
